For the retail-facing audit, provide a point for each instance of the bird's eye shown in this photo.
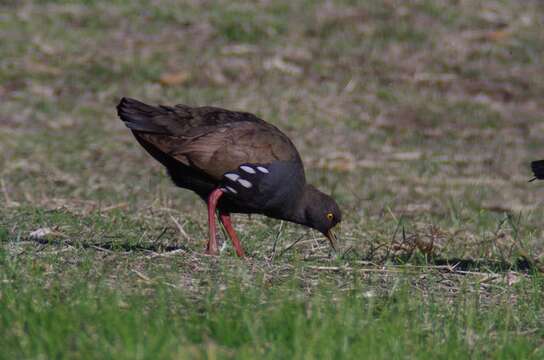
(330, 216)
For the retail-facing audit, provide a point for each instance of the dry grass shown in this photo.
(420, 117)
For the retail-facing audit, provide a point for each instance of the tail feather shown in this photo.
(139, 116)
(538, 169)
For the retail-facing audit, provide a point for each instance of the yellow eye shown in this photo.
(330, 216)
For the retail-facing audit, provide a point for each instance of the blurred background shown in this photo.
(421, 115)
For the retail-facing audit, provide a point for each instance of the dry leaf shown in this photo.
(280, 64)
(43, 233)
(174, 79)
(402, 156)
(40, 233)
(498, 35)
(338, 161)
(238, 49)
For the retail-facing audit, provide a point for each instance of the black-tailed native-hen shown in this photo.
(236, 162)
(538, 170)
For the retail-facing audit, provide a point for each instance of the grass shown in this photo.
(419, 117)
(74, 317)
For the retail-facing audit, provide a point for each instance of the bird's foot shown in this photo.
(211, 250)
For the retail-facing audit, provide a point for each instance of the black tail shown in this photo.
(538, 169)
(138, 116)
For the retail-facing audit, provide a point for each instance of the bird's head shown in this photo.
(321, 213)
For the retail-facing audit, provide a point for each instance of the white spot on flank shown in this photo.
(232, 177)
(232, 190)
(247, 169)
(263, 169)
(245, 183)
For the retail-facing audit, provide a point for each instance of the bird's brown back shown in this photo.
(211, 139)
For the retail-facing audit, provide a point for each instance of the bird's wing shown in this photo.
(210, 139)
(179, 120)
(218, 149)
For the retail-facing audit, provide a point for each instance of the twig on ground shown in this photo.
(290, 246)
(180, 228)
(168, 253)
(363, 270)
(141, 275)
(101, 248)
(161, 234)
(5, 192)
(278, 234)
(116, 206)
(350, 249)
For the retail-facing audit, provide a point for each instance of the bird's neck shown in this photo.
(298, 213)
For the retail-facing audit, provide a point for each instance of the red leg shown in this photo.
(225, 220)
(211, 248)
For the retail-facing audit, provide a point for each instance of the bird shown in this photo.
(235, 161)
(538, 170)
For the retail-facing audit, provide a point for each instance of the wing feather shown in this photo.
(213, 140)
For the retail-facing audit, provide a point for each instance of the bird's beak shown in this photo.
(332, 239)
